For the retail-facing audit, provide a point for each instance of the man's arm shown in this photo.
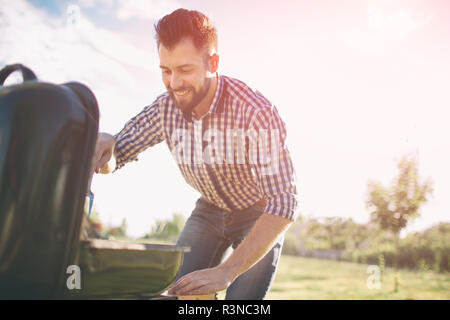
(141, 132)
(260, 240)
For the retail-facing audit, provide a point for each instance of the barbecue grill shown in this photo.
(47, 138)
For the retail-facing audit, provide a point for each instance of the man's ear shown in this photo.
(214, 62)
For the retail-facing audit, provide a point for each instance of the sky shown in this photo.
(359, 83)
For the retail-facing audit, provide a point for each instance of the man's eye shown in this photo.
(165, 71)
(186, 70)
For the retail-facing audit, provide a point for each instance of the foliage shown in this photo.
(167, 230)
(368, 243)
(424, 251)
(395, 206)
(331, 233)
(117, 232)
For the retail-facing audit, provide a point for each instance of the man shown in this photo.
(229, 143)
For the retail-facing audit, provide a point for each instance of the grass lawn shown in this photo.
(308, 279)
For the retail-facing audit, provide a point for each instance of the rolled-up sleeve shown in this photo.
(141, 132)
(273, 165)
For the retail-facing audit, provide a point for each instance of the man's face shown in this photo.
(185, 73)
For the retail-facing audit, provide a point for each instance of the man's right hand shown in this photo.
(104, 150)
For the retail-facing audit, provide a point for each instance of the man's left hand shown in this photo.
(201, 282)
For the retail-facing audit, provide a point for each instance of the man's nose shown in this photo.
(175, 81)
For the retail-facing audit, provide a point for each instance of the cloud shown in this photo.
(145, 9)
(384, 26)
(27, 34)
(394, 25)
(72, 48)
(135, 9)
(95, 3)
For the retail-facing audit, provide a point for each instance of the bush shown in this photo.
(167, 230)
(421, 259)
(422, 251)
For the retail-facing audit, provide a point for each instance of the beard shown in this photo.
(197, 96)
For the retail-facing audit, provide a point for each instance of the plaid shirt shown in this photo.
(227, 173)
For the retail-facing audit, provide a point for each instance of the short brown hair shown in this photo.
(184, 23)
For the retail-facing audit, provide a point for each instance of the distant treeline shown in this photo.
(341, 239)
(378, 242)
(346, 240)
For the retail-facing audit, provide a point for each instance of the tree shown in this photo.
(393, 207)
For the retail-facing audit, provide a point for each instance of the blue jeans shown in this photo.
(210, 231)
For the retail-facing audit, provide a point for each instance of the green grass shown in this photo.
(309, 279)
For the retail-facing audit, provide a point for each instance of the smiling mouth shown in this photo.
(181, 93)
